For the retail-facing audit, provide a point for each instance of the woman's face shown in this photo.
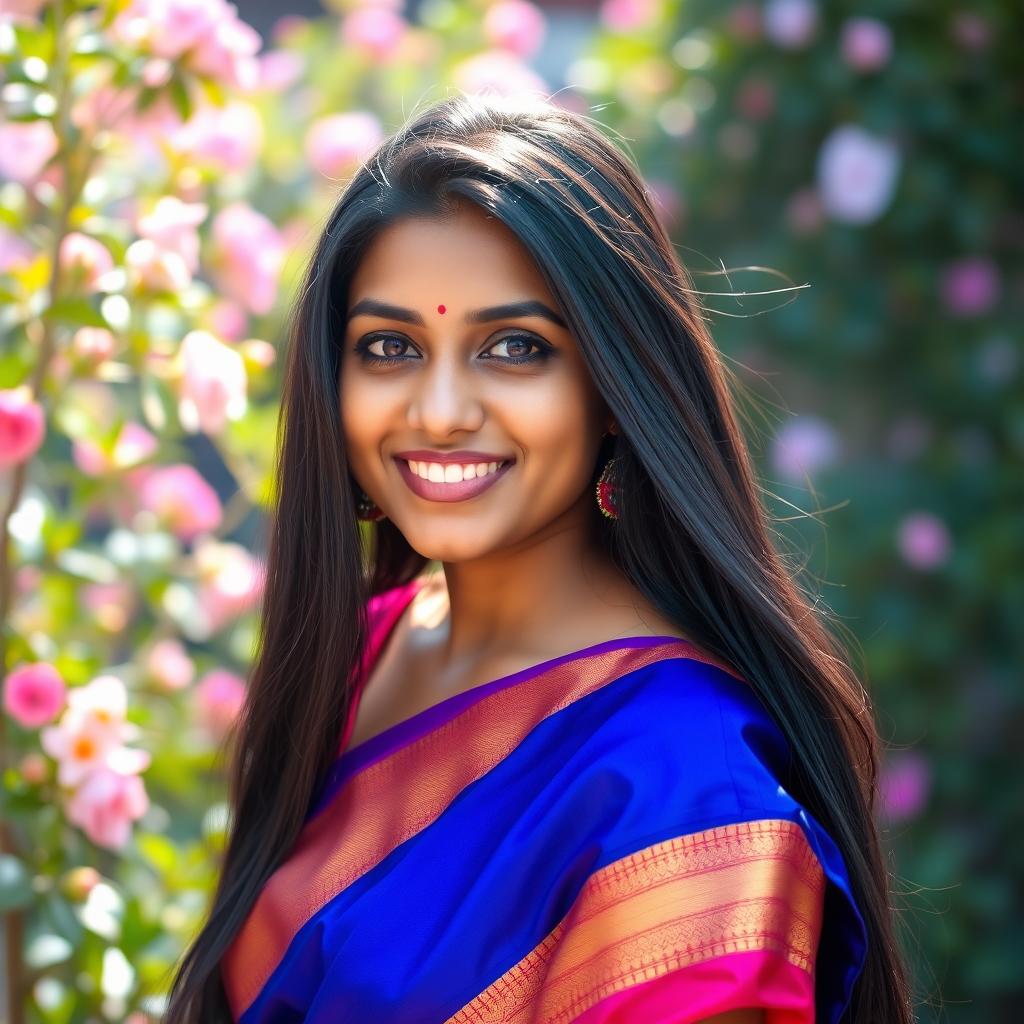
(454, 384)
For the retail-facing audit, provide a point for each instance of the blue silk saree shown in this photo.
(602, 838)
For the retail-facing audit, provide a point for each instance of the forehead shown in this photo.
(468, 258)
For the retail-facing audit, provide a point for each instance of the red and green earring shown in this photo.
(607, 490)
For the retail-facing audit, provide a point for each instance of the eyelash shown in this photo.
(369, 357)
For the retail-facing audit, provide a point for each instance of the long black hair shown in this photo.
(692, 533)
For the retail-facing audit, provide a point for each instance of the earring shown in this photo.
(367, 509)
(607, 491)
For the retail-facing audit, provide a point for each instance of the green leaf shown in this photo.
(77, 312)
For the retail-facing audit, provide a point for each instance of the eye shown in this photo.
(518, 349)
(389, 355)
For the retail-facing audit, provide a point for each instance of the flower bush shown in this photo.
(162, 173)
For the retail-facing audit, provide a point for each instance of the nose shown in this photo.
(446, 399)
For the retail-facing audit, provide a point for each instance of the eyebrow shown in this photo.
(506, 311)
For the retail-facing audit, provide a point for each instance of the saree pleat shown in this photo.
(605, 837)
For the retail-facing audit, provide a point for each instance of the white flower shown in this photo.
(857, 174)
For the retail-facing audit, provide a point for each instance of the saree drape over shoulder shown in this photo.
(602, 838)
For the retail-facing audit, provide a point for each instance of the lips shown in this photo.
(432, 490)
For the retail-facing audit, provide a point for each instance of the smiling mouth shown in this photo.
(453, 473)
(451, 482)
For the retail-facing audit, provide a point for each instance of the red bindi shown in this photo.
(440, 309)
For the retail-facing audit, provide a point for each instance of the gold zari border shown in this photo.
(735, 888)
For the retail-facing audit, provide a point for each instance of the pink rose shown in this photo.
(220, 695)
(173, 226)
(169, 665)
(230, 581)
(515, 25)
(181, 499)
(34, 694)
(374, 30)
(627, 15)
(335, 145)
(22, 426)
(105, 805)
(249, 256)
(213, 386)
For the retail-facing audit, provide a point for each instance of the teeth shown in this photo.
(452, 473)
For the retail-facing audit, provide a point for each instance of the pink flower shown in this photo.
(106, 804)
(375, 30)
(25, 149)
(856, 174)
(112, 604)
(182, 500)
(804, 446)
(213, 386)
(515, 25)
(229, 52)
(791, 24)
(134, 443)
(970, 287)
(92, 731)
(866, 43)
(497, 72)
(22, 426)
(229, 138)
(34, 694)
(220, 695)
(15, 252)
(34, 768)
(169, 665)
(627, 15)
(230, 581)
(84, 259)
(280, 69)
(337, 144)
(924, 540)
(154, 269)
(93, 344)
(250, 255)
(24, 11)
(173, 225)
(227, 319)
(206, 35)
(904, 783)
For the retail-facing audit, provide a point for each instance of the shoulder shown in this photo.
(699, 719)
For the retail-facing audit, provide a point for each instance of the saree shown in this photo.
(602, 838)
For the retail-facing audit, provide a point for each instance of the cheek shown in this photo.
(362, 418)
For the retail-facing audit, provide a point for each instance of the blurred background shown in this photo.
(164, 168)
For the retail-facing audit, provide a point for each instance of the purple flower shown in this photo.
(866, 43)
(904, 785)
(803, 446)
(924, 540)
(856, 174)
(970, 287)
(791, 24)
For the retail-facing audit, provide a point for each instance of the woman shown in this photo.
(606, 764)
